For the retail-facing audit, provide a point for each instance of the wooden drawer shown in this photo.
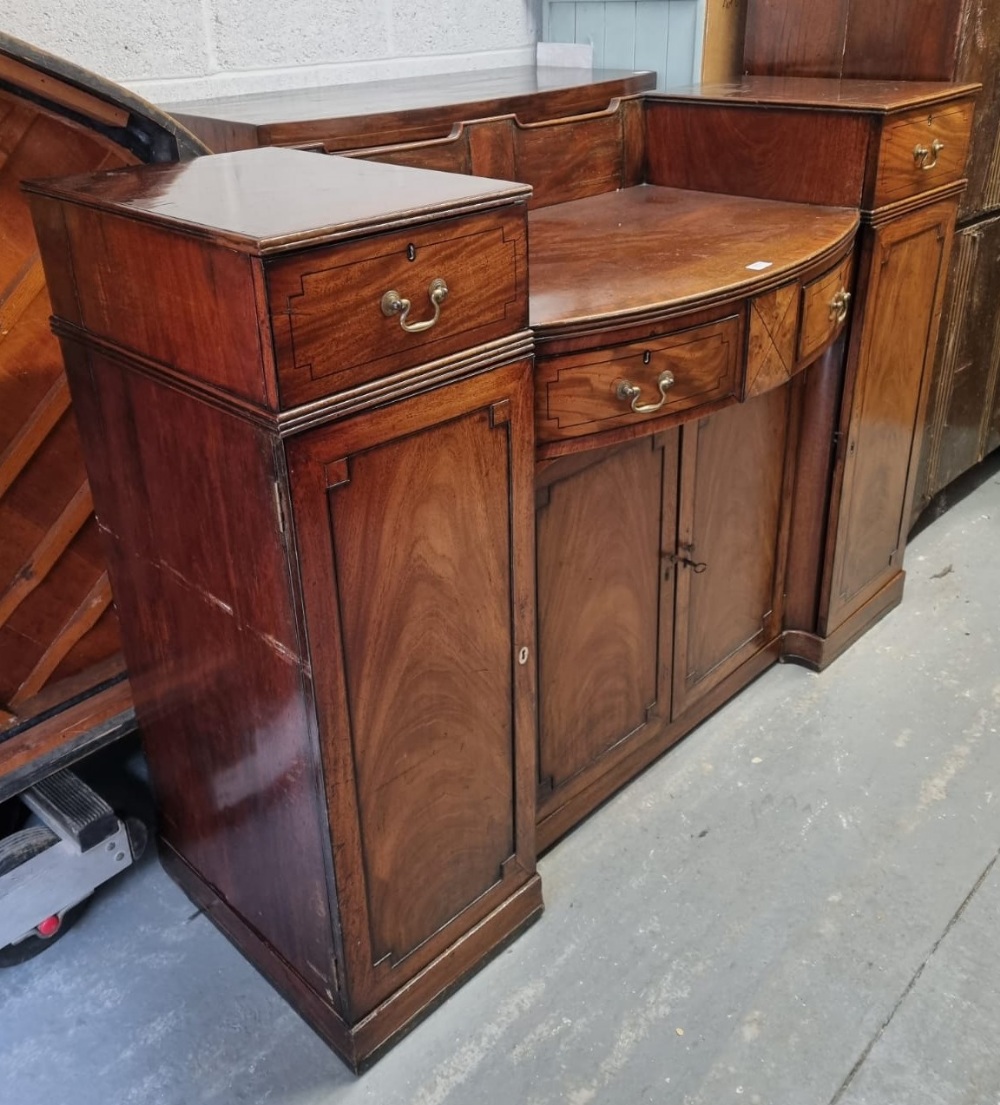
(584, 393)
(922, 150)
(331, 332)
(825, 307)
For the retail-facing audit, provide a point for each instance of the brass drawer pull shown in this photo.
(394, 304)
(922, 153)
(839, 305)
(631, 392)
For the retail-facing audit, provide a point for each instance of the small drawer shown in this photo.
(346, 314)
(603, 389)
(922, 150)
(826, 303)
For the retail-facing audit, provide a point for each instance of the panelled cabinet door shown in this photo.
(414, 529)
(897, 336)
(606, 523)
(733, 507)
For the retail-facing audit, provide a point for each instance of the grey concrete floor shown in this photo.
(799, 904)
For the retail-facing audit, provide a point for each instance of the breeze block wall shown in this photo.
(170, 50)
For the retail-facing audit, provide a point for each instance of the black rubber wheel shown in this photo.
(16, 849)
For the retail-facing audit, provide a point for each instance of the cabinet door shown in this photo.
(414, 530)
(961, 426)
(730, 541)
(605, 523)
(893, 340)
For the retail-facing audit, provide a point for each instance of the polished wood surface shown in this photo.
(827, 93)
(303, 593)
(59, 637)
(680, 551)
(660, 581)
(820, 389)
(730, 551)
(768, 152)
(577, 393)
(605, 616)
(862, 537)
(653, 252)
(773, 333)
(881, 428)
(425, 710)
(562, 159)
(223, 712)
(956, 40)
(227, 351)
(407, 109)
(331, 332)
(272, 200)
(943, 133)
(870, 136)
(905, 39)
(821, 316)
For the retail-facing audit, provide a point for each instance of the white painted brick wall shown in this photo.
(168, 50)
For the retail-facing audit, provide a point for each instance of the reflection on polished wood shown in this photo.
(408, 109)
(947, 40)
(324, 548)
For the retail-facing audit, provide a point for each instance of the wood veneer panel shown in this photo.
(819, 390)
(403, 110)
(331, 334)
(425, 607)
(798, 38)
(774, 154)
(222, 348)
(562, 160)
(419, 677)
(896, 39)
(212, 648)
(901, 314)
(771, 330)
(605, 604)
(913, 40)
(731, 506)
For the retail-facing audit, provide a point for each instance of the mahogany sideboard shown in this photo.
(438, 506)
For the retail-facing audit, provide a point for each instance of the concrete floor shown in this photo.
(799, 905)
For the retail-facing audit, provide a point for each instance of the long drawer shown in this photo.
(621, 385)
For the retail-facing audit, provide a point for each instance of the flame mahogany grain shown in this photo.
(329, 590)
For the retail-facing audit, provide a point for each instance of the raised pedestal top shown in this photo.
(408, 109)
(832, 94)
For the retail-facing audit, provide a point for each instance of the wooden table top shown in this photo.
(652, 251)
(879, 97)
(270, 200)
(465, 95)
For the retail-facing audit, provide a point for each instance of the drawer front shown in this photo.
(603, 389)
(340, 316)
(826, 305)
(922, 150)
